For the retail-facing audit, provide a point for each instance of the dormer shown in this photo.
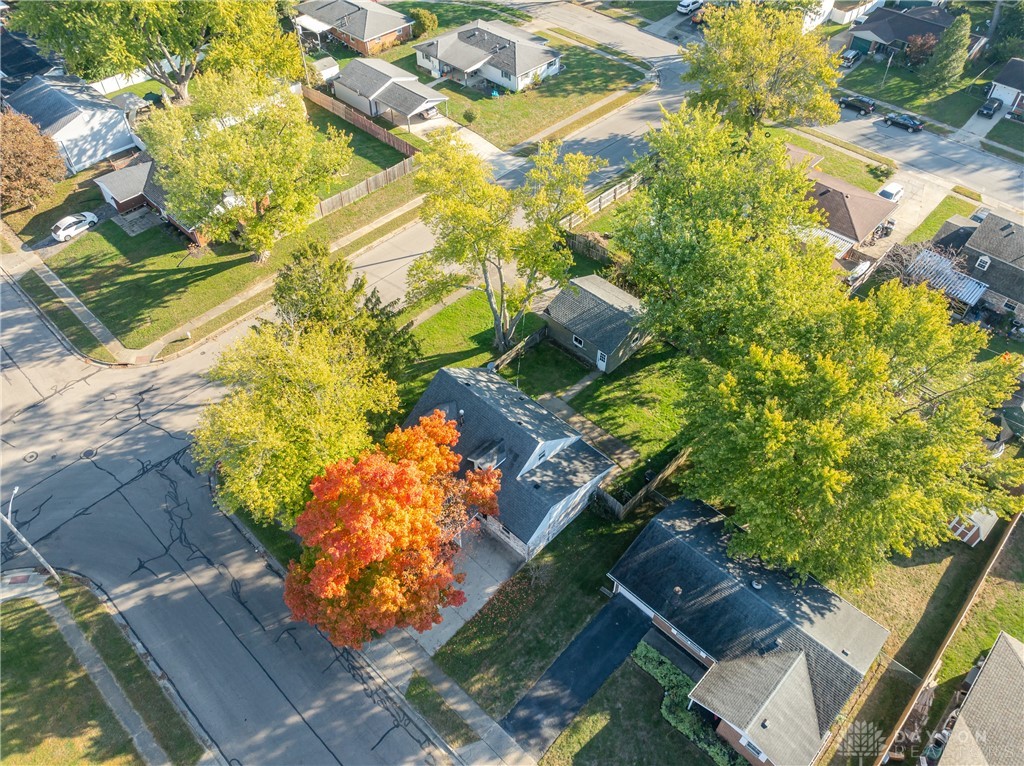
(545, 451)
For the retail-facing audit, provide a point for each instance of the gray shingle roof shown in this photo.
(954, 233)
(891, 25)
(472, 45)
(362, 19)
(386, 83)
(597, 311)
(763, 641)
(990, 728)
(1002, 241)
(138, 177)
(56, 101)
(409, 97)
(21, 60)
(1011, 75)
(849, 210)
(498, 415)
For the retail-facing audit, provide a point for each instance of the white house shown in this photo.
(492, 50)
(87, 126)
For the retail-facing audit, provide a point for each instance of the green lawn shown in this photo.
(431, 705)
(544, 369)
(1008, 132)
(52, 712)
(835, 162)
(370, 156)
(954, 106)
(999, 606)
(933, 222)
(450, 15)
(277, 540)
(140, 89)
(1000, 344)
(502, 651)
(831, 29)
(138, 684)
(622, 724)
(64, 318)
(651, 10)
(72, 195)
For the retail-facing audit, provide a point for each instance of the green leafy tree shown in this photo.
(243, 157)
(295, 403)
(424, 22)
(318, 291)
(476, 238)
(29, 162)
(946, 64)
(100, 38)
(758, 66)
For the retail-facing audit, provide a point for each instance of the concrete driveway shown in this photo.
(978, 126)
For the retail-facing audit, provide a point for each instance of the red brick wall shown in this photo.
(730, 735)
(371, 47)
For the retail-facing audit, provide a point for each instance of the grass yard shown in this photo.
(933, 222)
(64, 318)
(140, 89)
(138, 684)
(369, 157)
(431, 705)
(648, 10)
(835, 162)
(72, 195)
(955, 106)
(622, 724)
(51, 710)
(1000, 344)
(999, 606)
(502, 651)
(277, 540)
(544, 369)
(451, 15)
(1009, 133)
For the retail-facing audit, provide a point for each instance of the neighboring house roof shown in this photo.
(488, 42)
(21, 60)
(954, 233)
(1002, 241)
(58, 100)
(500, 424)
(389, 85)
(837, 244)
(1012, 74)
(597, 311)
(939, 274)
(128, 101)
(787, 658)
(362, 19)
(849, 210)
(890, 25)
(137, 177)
(990, 727)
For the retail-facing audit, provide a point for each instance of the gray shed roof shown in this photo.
(57, 100)
(500, 419)
(990, 728)
(362, 19)
(391, 86)
(138, 177)
(788, 655)
(939, 274)
(597, 311)
(502, 46)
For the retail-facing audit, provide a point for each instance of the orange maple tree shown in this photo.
(379, 535)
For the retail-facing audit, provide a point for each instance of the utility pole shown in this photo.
(9, 521)
(887, 65)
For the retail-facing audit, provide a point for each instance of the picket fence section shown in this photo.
(603, 200)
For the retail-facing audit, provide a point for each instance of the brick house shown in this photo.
(994, 254)
(364, 26)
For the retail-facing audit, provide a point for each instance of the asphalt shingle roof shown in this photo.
(57, 100)
(1011, 75)
(138, 177)
(499, 417)
(362, 19)
(990, 728)
(849, 210)
(597, 311)
(502, 46)
(891, 25)
(1002, 241)
(386, 83)
(21, 60)
(785, 655)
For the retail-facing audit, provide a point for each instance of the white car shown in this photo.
(72, 225)
(689, 6)
(891, 192)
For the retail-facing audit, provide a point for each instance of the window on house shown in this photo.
(577, 341)
(1010, 306)
(752, 747)
(983, 263)
(506, 75)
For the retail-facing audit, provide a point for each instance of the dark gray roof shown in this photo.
(990, 728)
(597, 311)
(791, 655)
(386, 83)
(58, 100)
(891, 25)
(137, 177)
(1011, 75)
(499, 420)
(362, 19)
(21, 60)
(954, 233)
(479, 42)
(1002, 241)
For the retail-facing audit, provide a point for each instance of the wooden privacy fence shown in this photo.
(587, 246)
(364, 123)
(603, 200)
(364, 187)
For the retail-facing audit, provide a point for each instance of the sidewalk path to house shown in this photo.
(576, 675)
(23, 584)
(596, 436)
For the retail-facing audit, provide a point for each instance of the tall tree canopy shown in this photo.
(835, 432)
(949, 56)
(472, 219)
(757, 65)
(243, 157)
(295, 403)
(100, 38)
(29, 162)
(379, 535)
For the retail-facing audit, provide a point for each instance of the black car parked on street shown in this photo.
(905, 121)
(861, 103)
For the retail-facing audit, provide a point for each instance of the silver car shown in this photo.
(72, 225)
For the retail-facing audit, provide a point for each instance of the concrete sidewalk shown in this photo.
(597, 437)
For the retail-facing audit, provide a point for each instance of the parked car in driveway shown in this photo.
(905, 121)
(849, 57)
(862, 104)
(72, 225)
(990, 107)
(689, 6)
(892, 192)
